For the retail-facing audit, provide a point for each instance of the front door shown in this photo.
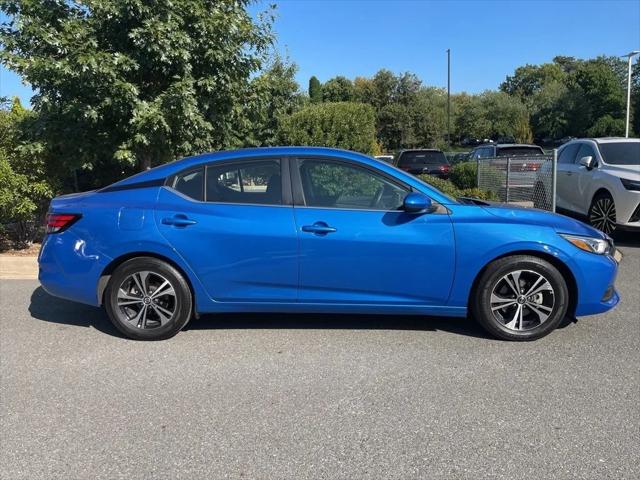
(237, 233)
(566, 176)
(358, 247)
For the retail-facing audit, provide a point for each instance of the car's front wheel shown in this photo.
(148, 299)
(602, 213)
(520, 297)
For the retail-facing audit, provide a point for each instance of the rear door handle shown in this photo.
(319, 228)
(568, 174)
(178, 220)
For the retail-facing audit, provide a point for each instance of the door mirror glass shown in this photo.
(587, 162)
(417, 203)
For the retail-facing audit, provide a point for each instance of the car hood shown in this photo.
(632, 172)
(532, 216)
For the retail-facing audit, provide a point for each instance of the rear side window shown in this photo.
(190, 184)
(568, 154)
(519, 151)
(258, 182)
(422, 158)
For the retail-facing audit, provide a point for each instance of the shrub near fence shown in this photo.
(447, 187)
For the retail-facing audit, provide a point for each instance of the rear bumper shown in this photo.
(70, 269)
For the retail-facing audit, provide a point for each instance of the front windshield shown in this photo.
(620, 153)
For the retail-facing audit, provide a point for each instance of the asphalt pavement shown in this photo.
(316, 396)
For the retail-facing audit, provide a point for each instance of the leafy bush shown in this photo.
(447, 187)
(345, 125)
(465, 175)
(20, 201)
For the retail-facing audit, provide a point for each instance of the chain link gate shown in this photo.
(528, 181)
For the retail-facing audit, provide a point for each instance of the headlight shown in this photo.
(631, 184)
(589, 244)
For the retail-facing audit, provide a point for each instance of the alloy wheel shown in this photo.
(146, 300)
(603, 214)
(522, 300)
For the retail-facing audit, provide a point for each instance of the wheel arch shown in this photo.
(562, 267)
(116, 262)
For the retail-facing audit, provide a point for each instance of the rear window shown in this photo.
(519, 151)
(422, 158)
(623, 153)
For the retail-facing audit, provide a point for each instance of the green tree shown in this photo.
(24, 186)
(135, 82)
(595, 93)
(315, 90)
(274, 94)
(343, 125)
(338, 89)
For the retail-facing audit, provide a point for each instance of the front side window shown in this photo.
(258, 182)
(568, 153)
(586, 150)
(190, 184)
(331, 184)
(486, 152)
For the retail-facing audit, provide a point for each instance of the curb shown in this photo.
(18, 268)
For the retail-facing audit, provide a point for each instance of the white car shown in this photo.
(599, 178)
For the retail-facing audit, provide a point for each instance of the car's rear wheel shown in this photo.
(602, 213)
(520, 297)
(148, 299)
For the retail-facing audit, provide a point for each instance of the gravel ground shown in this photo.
(297, 397)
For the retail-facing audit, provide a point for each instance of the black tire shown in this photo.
(159, 325)
(493, 279)
(602, 213)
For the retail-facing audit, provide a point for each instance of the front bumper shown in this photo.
(596, 283)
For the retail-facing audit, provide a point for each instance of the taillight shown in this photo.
(444, 168)
(58, 222)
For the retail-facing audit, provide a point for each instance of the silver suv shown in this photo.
(600, 178)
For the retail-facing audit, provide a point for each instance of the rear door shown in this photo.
(358, 247)
(233, 224)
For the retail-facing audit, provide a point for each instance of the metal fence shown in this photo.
(526, 181)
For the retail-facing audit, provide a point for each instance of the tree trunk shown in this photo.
(145, 161)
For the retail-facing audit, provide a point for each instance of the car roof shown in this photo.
(613, 140)
(515, 145)
(167, 169)
(151, 177)
(420, 150)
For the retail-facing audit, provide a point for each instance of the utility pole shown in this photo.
(449, 97)
(629, 56)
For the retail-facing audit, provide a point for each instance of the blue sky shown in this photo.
(488, 39)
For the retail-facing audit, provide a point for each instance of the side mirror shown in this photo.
(588, 162)
(416, 202)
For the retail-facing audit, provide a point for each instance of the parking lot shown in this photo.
(317, 396)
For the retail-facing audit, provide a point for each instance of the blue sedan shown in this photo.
(303, 229)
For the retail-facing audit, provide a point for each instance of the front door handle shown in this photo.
(178, 220)
(568, 174)
(319, 228)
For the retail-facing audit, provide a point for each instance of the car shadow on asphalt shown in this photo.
(56, 310)
(52, 309)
